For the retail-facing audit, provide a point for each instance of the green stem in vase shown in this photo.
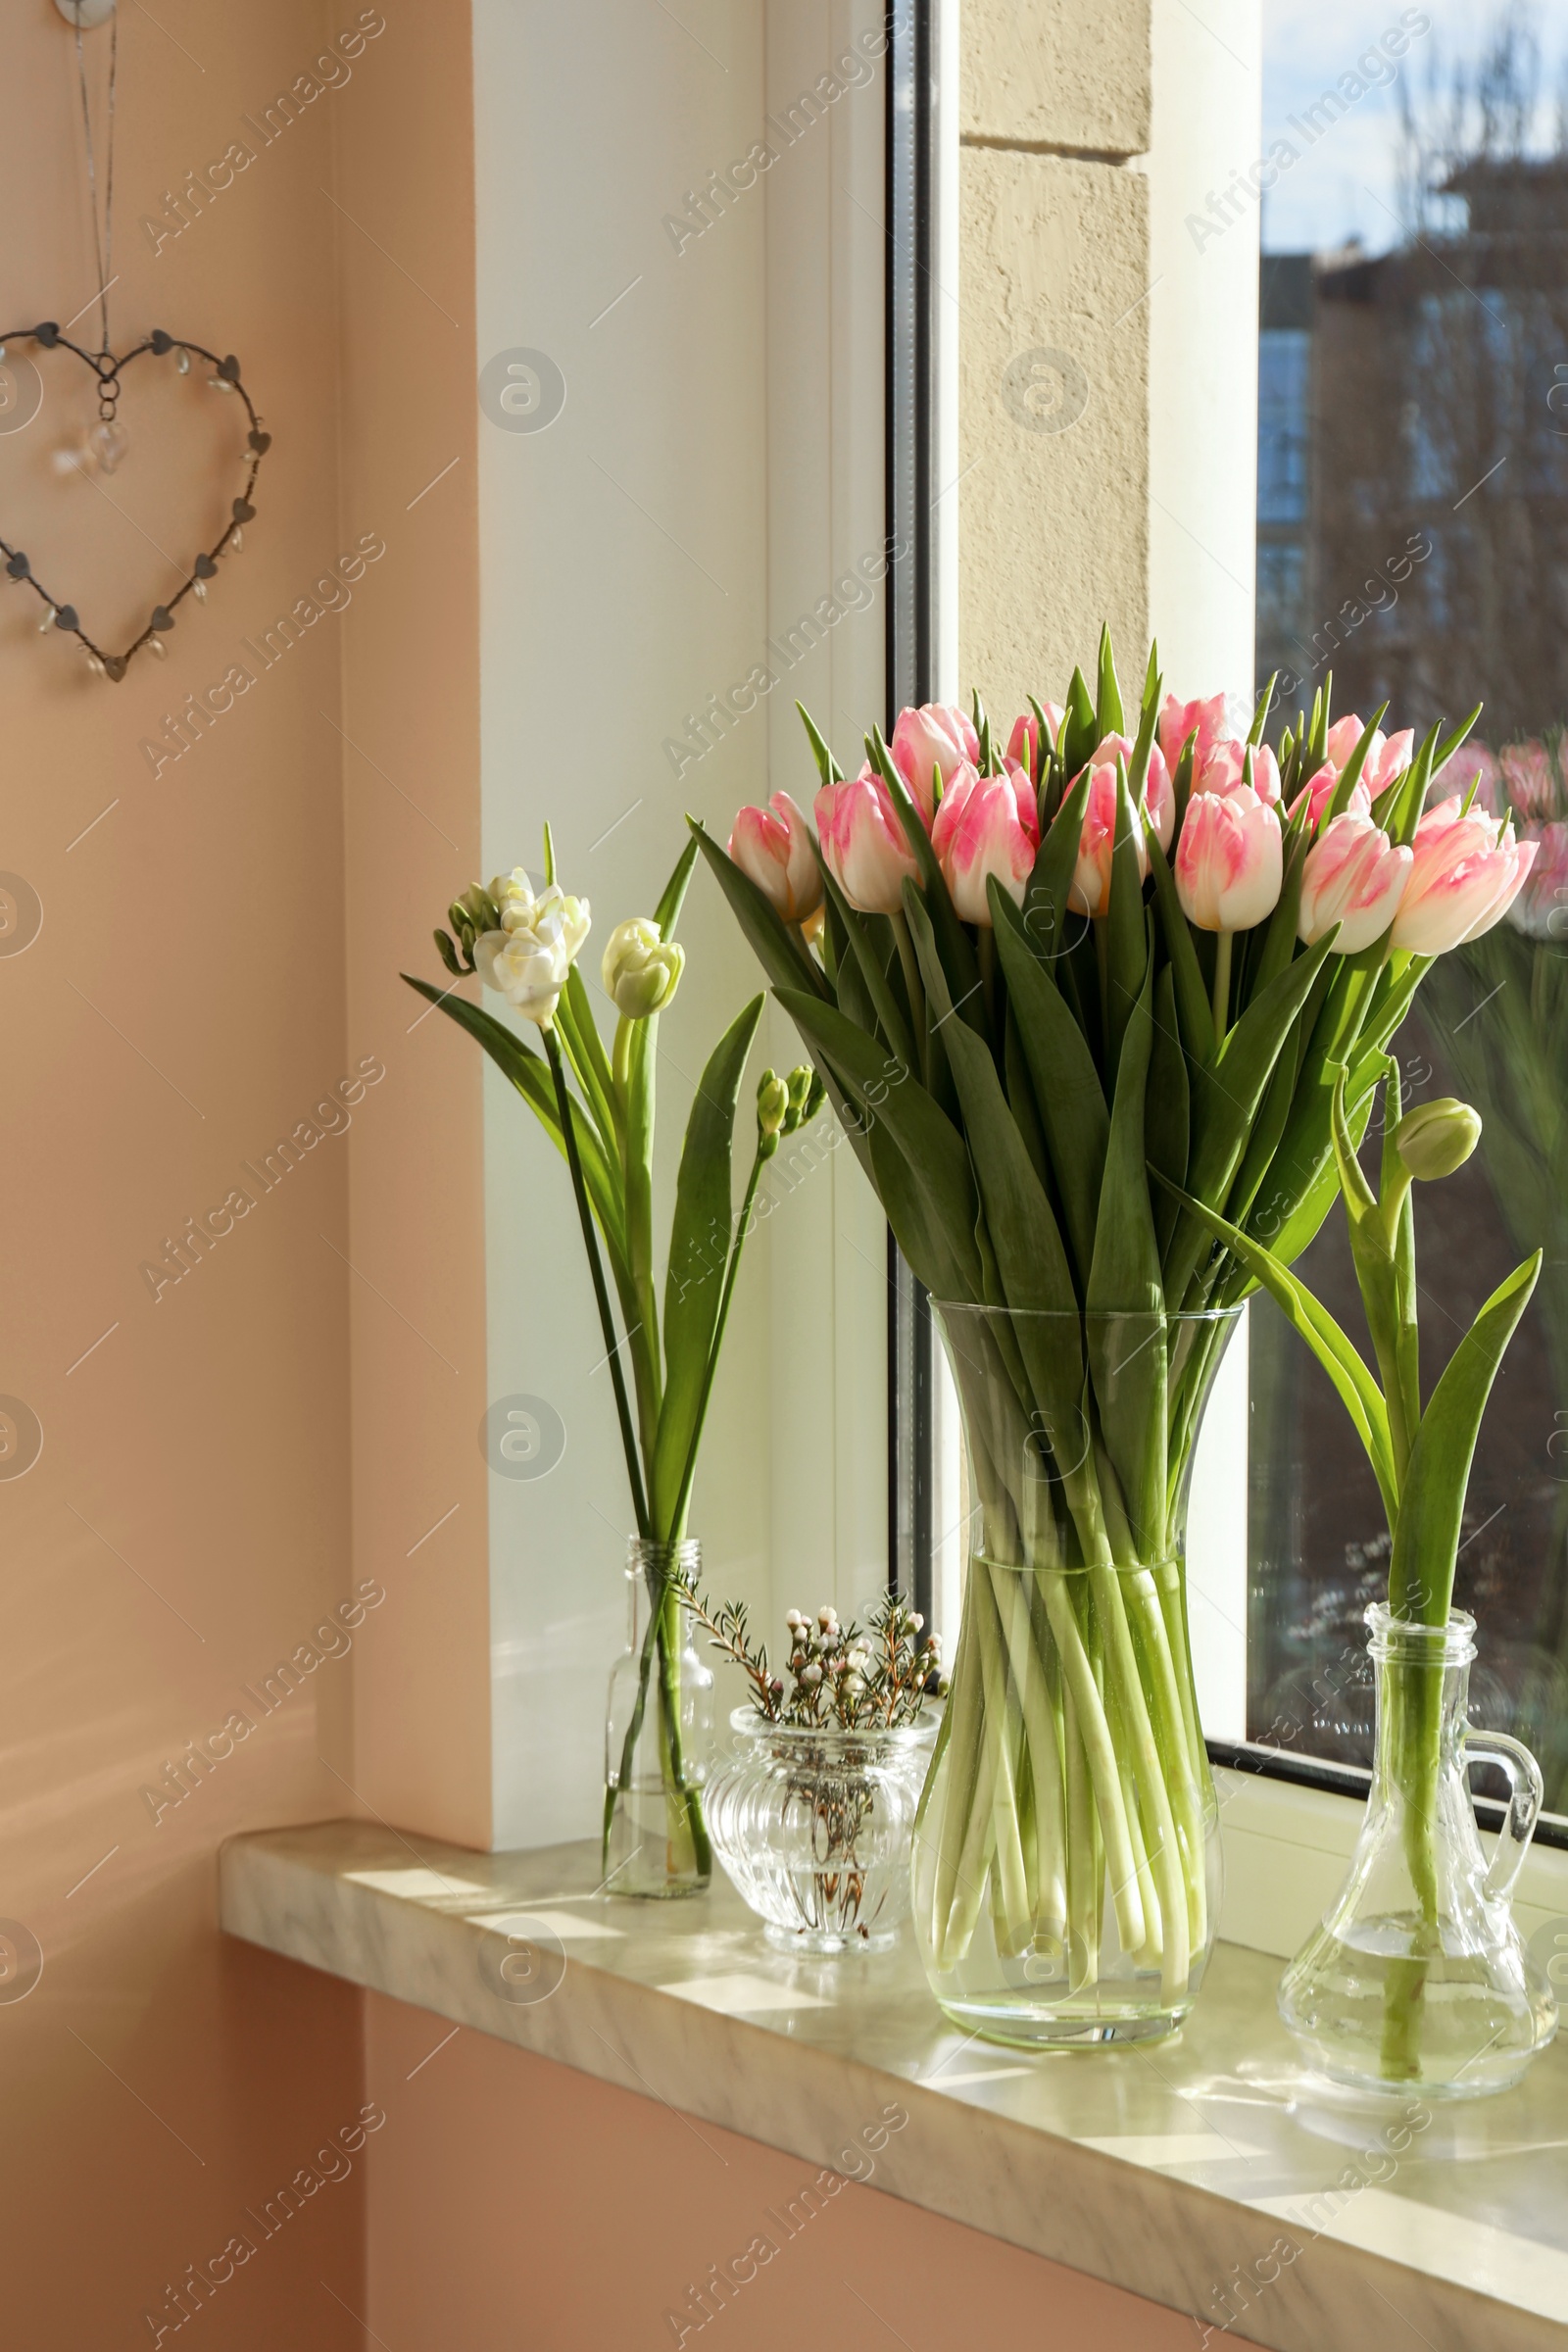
(686, 1800)
(590, 1244)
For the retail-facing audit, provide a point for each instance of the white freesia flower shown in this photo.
(527, 960)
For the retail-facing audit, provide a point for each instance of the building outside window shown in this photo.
(1412, 544)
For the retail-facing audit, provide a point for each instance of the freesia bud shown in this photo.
(527, 960)
(807, 1094)
(480, 907)
(1353, 876)
(986, 825)
(936, 740)
(863, 842)
(1436, 1138)
(772, 846)
(640, 972)
(1229, 861)
(772, 1106)
(1466, 875)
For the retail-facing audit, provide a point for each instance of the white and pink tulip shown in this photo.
(1466, 872)
(1355, 876)
(1023, 743)
(1229, 861)
(772, 846)
(863, 842)
(986, 825)
(936, 740)
(1387, 755)
(1177, 721)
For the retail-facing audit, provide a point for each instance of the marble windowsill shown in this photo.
(1168, 2170)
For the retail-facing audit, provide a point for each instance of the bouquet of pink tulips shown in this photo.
(1066, 998)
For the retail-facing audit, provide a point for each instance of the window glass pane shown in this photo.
(1414, 540)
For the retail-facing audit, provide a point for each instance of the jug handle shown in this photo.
(1527, 1792)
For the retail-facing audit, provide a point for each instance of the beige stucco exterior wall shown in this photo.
(1056, 111)
(1107, 370)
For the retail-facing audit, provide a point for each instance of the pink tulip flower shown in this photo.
(935, 740)
(1468, 873)
(1229, 861)
(986, 825)
(772, 846)
(1387, 755)
(1225, 770)
(864, 843)
(1531, 777)
(1541, 909)
(1160, 800)
(1178, 720)
(1353, 876)
(1090, 893)
(1319, 790)
(1473, 764)
(1023, 743)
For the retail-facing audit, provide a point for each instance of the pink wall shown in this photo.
(411, 828)
(518, 2206)
(188, 1522)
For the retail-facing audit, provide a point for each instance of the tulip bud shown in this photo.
(640, 973)
(1436, 1138)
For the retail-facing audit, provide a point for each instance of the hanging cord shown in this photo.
(103, 240)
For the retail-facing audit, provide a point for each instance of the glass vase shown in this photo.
(1067, 1865)
(813, 1825)
(1417, 1977)
(658, 1734)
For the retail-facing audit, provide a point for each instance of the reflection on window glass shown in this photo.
(1413, 542)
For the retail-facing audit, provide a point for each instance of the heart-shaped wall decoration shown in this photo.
(106, 367)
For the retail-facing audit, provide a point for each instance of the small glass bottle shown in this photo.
(658, 1734)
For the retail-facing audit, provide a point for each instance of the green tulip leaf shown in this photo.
(778, 945)
(888, 1092)
(1067, 1083)
(1358, 1391)
(1125, 1299)
(699, 1243)
(1426, 1541)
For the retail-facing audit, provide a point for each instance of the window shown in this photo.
(1412, 539)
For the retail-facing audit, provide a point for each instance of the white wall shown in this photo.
(1207, 125)
(1203, 510)
(714, 469)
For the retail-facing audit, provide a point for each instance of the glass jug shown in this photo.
(1417, 1978)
